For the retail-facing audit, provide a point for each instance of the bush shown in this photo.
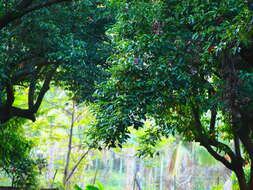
(15, 158)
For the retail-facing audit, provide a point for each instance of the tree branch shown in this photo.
(218, 157)
(76, 165)
(213, 120)
(29, 69)
(24, 4)
(19, 75)
(7, 113)
(10, 95)
(24, 113)
(21, 11)
(237, 146)
(32, 90)
(207, 143)
(44, 89)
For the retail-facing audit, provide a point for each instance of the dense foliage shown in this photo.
(58, 42)
(64, 44)
(15, 160)
(188, 65)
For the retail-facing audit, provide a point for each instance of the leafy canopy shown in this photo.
(187, 65)
(64, 45)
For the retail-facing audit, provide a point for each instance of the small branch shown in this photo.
(77, 164)
(95, 176)
(63, 109)
(55, 173)
(78, 145)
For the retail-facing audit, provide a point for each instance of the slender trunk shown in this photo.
(51, 155)
(66, 169)
(55, 173)
(121, 165)
(95, 177)
(161, 174)
(130, 169)
(76, 165)
(136, 176)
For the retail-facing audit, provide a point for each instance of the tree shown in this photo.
(188, 65)
(64, 44)
(76, 119)
(60, 135)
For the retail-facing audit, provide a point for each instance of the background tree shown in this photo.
(188, 65)
(59, 133)
(64, 43)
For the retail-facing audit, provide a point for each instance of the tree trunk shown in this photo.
(241, 179)
(130, 169)
(71, 173)
(161, 174)
(66, 169)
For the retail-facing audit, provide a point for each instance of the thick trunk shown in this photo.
(242, 180)
(7, 114)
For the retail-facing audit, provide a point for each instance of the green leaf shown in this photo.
(76, 187)
(91, 187)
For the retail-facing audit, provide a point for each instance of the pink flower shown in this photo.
(90, 18)
(211, 48)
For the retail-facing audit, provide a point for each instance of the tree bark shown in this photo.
(241, 179)
(237, 162)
